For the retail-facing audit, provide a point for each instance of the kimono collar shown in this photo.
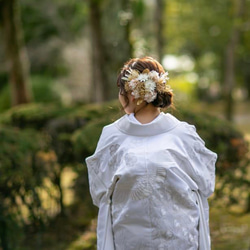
(160, 125)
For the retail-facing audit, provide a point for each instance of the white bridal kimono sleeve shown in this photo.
(151, 183)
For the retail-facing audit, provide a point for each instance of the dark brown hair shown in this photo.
(140, 64)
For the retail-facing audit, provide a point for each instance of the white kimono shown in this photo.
(151, 183)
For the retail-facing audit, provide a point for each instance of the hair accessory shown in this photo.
(145, 86)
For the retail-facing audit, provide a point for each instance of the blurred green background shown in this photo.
(58, 65)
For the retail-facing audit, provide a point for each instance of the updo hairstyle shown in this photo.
(163, 100)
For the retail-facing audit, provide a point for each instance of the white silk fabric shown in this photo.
(151, 183)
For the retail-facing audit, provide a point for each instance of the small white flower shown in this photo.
(150, 85)
(136, 94)
(150, 96)
(153, 75)
(132, 84)
(165, 74)
(164, 77)
(142, 77)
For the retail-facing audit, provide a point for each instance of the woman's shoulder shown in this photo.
(182, 127)
(110, 132)
(111, 127)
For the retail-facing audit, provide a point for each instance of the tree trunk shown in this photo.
(126, 7)
(159, 14)
(17, 60)
(99, 78)
(229, 77)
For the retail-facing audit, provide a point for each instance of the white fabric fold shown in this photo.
(108, 240)
(204, 241)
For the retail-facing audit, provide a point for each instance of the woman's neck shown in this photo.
(146, 113)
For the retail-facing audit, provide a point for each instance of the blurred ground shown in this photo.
(229, 231)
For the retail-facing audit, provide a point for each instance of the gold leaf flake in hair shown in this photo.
(145, 71)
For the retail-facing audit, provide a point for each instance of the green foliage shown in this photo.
(85, 139)
(34, 115)
(82, 195)
(5, 101)
(85, 242)
(20, 175)
(138, 7)
(43, 89)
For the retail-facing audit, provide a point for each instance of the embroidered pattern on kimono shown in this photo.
(151, 184)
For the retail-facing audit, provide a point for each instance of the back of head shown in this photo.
(146, 79)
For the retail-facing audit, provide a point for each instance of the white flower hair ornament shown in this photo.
(146, 85)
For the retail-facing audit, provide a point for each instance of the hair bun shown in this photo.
(163, 100)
